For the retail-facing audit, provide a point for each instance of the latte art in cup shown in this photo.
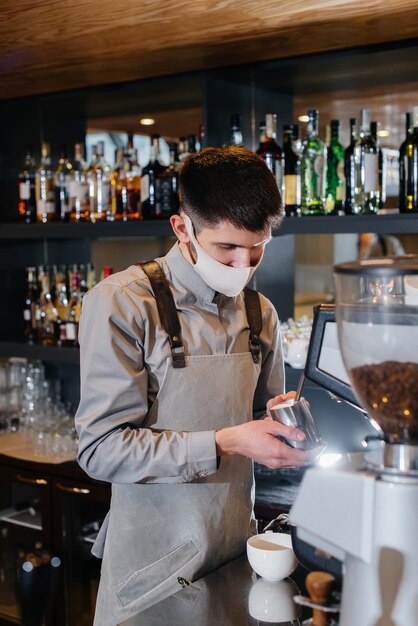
(262, 544)
(283, 405)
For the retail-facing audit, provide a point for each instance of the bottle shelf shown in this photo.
(49, 354)
(99, 230)
(27, 518)
(393, 223)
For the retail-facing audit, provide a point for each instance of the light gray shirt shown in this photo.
(124, 353)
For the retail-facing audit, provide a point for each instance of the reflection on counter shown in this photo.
(233, 594)
(273, 602)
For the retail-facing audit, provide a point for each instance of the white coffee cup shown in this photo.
(271, 555)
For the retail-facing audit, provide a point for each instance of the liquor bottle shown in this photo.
(87, 278)
(74, 309)
(118, 187)
(292, 181)
(313, 161)
(83, 279)
(335, 183)
(99, 176)
(374, 132)
(90, 276)
(352, 172)
(181, 151)
(327, 140)
(270, 151)
(62, 183)
(134, 182)
(91, 182)
(61, 304)
(44, 186)
(150, 183)
(47, 318)
(296, 141)
(408, 166)
(31, 301)
(186, 145)
(126, 185)
(169, 185)
(191, 144)
(201, 137)
(261, 136)
(369, 167)
(78, 188)
(107, 270)
(27, 195)
(235, 131)
(53, 283)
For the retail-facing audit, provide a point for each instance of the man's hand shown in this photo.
(257, 440)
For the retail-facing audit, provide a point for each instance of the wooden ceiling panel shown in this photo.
(51, 45)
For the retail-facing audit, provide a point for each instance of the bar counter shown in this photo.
(232, 595)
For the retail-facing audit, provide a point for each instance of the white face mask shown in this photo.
(223, 278)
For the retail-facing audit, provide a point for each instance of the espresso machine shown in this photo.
(364, 509)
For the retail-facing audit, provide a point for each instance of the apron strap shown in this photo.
(166, 310)
(255, 321)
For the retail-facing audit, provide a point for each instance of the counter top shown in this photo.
(232, 595)
(20, 445)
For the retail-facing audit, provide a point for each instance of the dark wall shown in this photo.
(62, 119)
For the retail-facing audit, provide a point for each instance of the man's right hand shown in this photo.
(258, 440)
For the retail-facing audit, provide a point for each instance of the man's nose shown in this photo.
(244, 258)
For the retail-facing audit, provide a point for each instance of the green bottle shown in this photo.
(335, 181)
(369, 195)
(313, 159)
(408, 166)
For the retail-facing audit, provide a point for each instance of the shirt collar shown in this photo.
(185, 273)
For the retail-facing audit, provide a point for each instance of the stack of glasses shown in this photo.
(30, 403)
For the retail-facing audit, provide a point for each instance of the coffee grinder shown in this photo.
(364, 510)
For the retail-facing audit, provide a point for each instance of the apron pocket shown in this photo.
(150, 577)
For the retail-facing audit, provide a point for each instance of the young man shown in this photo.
(176, 361)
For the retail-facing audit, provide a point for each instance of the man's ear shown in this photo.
(179, 227)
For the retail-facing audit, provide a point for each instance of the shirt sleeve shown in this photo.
(113, 445)
(271, 381)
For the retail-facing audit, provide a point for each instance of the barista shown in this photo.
(177, 360)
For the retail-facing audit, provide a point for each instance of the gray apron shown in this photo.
(158, 534)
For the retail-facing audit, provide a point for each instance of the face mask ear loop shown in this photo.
(193, 231)
(192, 251)
(190, 246)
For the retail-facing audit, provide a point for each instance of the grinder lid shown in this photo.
(385, 266)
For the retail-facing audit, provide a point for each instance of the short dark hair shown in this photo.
(232, 184)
